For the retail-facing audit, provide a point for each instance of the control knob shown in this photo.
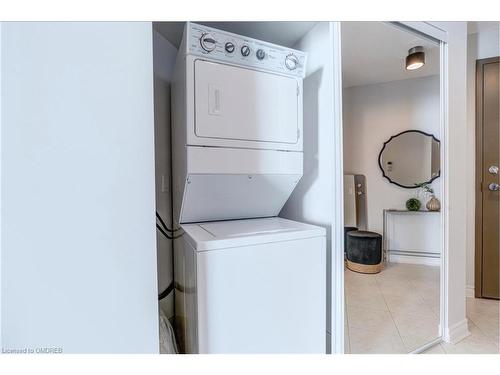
(245, 50)
(207, 42)
(291, 62)
(260, 54)
(229, 47)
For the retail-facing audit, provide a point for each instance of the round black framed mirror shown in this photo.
(410, 158)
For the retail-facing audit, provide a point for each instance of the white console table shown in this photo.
(424, 253)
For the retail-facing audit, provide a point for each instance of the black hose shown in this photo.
(163, 230)
(164, 225)
(166, 292)
(165, 233)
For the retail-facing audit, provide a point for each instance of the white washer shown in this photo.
(251, 286)
(236, 126)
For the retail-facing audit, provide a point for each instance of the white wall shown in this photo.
(374, 113)
(312, 199)
(78, 236)
(164, 54)
(481, 45)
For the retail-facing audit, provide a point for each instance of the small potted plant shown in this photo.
(413, 204)
(433, 204)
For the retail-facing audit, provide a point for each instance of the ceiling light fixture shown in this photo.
(415, 58)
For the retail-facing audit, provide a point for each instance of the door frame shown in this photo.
(337, 239)
(478, 251)
(439, 35)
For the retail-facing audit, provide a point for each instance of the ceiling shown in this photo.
(375, 52)
(481, 26)
(285, 33)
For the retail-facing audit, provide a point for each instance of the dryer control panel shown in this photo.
(236, 49)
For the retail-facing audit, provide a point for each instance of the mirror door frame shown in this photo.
(447, 332)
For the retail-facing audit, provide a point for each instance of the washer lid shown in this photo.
(236, 233)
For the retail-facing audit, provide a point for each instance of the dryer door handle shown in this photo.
(214, 99)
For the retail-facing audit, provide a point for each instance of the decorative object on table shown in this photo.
(433, 204)
(364, 251)
(413, 204)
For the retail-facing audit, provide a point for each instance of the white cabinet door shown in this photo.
(244, 104)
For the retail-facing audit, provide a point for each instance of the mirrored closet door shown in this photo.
(392, 188)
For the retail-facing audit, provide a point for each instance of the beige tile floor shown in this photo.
(397, 311)
(483, 318)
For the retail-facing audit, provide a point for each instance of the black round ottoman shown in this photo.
(364, 251)
(347, 230)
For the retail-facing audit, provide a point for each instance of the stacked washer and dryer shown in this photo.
(247, 281)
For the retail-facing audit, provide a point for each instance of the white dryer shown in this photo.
(236, 126)
(251, 286)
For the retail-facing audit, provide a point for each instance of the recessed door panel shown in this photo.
(233, 103)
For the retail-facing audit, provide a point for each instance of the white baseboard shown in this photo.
(457, 332)
(427, 261)
(470, 291)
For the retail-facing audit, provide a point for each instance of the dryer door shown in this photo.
(239, 104)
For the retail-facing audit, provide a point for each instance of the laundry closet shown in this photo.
(243, 168)
(244, 175)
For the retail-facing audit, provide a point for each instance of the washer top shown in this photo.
(236, 233)
(237, 49)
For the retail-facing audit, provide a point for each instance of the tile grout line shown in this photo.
(346, 314)
(430, 307)
(378, 282)
(390, 313)
(347, 318)
(422, 299)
